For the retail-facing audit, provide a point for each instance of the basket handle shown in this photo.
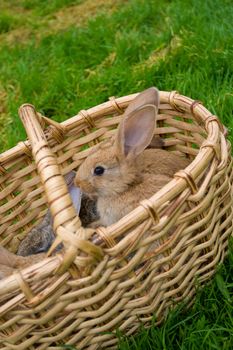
(66, 223)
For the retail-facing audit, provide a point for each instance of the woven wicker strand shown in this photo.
(111, 279)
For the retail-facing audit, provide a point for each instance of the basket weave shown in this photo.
(109, 279)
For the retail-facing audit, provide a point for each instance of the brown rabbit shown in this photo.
(122, 172)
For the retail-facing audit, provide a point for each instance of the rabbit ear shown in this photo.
(147, 97)
(135, 132)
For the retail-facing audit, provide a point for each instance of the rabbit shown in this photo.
(88, 209)
(9, 262)
(121, 172)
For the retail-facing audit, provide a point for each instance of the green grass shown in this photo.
(183, 45)
(45, 7)
(76, 68)
(7, 22)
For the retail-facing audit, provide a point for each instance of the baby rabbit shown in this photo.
(122, 172)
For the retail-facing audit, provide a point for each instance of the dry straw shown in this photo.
(109, 279)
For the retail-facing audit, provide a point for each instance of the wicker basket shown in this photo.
(111, 281)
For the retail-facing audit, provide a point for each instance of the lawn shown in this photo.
(67, 55)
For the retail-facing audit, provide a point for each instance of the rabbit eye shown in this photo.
(99, 170)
